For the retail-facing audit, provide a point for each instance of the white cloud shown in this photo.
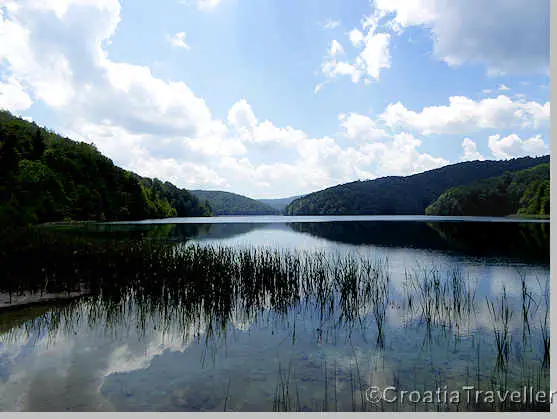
(54, 53)
(322, 162)
(356, 37)
(140, 102)
(148, 155)
(376, 55)
(401, 156)
(242, 119)
(514, 146)
(463, 32)
(332, 67)
(471, 152)
(30, 59)
(368, 64)
(506, 36)
(408, 13)
(13, 96)
(318, 87)
(335, 49)
(464, 115)
(503, 88)
(179, 40)
(361, 127)
(331, 24)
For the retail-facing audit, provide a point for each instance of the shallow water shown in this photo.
(290, 349)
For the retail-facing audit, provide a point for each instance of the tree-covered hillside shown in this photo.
(227, 203)
(525, 192)
(45, 177)
(279, 203)
(402, 195)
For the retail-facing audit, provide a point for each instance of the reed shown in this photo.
(501, 314)
(196, 291)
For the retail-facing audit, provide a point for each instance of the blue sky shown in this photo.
(276, 98)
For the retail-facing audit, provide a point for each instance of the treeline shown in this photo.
(525, 192)
(397, 195)
(227, 203)
(45, 177)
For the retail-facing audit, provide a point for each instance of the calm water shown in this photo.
(313, 348)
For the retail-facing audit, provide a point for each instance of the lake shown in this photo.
(279, 314)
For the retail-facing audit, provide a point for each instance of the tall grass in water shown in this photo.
(544, 326)
(501, 315)
(377, 288)
(439, 298)
(198, 291)
(527, 303)
(198, 284)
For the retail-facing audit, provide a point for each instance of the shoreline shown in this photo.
(32, 299)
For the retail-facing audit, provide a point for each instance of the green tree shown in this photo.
(38, 146)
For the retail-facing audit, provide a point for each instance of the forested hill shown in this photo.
(525, 192)
(279, 203)
(45, 177)
(227, 203)
(403, 195)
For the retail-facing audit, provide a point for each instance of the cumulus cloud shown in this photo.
(401, 156)
(245, 126)
(361, 127)
(464, 115)
(54, 53)
(514, 146)
(13, 96)
(374, 56)
(506, 36)
(470, 151)
(322, 162)
(333, 67)
(356, 37)
(55, 50)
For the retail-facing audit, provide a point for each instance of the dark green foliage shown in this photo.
(525, 192)
(38, 145)
(226, 203)
(45, 177)
(397, 195)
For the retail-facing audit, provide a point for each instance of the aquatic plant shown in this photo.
(501, 314)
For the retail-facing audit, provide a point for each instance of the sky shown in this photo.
(275, 98)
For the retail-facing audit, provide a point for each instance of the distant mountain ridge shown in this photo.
(280, 203)
(228, 203)
(403, 195)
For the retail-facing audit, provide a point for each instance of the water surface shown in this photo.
(423, 321)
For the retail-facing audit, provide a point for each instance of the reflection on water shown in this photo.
(528, 242)
(259, 317)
